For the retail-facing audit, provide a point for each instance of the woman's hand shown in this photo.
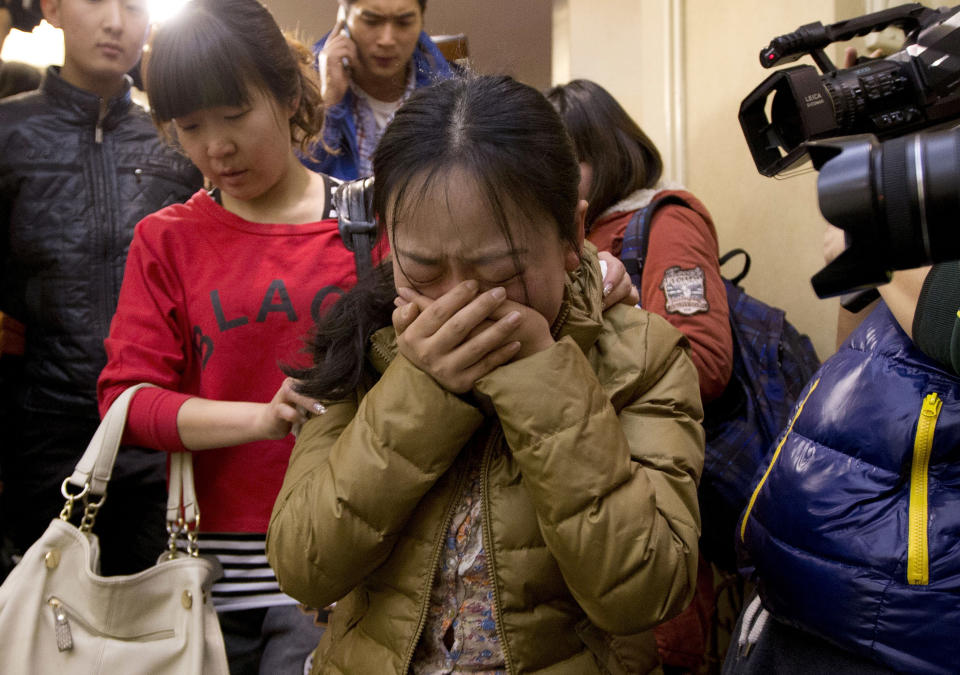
(338, 52)
(286, 411)
(463, 335)
(617, 286)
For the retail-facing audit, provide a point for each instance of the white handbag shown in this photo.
(58, 615)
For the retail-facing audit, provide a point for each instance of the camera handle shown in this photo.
(813, 37)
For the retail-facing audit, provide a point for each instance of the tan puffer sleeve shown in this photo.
(331, 524)
(614, 488)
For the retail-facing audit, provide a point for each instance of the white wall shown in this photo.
(681, 68)
(629, 48)
(777, 221)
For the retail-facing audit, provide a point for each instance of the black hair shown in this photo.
(503, 133)
(211, 54)
(622, 157)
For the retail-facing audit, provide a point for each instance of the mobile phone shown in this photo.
(342, 17)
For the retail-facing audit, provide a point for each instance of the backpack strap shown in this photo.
(636, 238)
(636, 241)
(358, 225)
(735, 280)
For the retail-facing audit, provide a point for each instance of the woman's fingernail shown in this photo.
(319, 408)
(607, 289)
(498, 293)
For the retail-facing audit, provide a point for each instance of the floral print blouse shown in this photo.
(461, 631)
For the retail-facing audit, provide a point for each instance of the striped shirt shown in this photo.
(248, 582)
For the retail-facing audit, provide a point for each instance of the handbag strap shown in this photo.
(93, 472)
(183, 514)
(94, 469)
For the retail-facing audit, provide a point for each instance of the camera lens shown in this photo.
(898, 201)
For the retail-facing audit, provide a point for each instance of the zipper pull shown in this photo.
(61, 626)
(98, 131)
(931, 405)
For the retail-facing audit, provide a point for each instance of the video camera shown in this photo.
(896, 199)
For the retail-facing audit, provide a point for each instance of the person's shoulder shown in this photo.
(330, 186)
(138, 133)
(686, 201)
(175, 220)
(20, 107)
(20, 114)
(633, 322)
(138, 120)
(139, 114)
(427, 43)
(635, 337)
(429, 61)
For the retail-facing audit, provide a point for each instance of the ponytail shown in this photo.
(339, 340)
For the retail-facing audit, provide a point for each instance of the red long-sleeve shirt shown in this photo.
(211, 305)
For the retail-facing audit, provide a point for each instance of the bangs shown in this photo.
(194, 66)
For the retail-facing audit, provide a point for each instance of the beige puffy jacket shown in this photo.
(589, 486)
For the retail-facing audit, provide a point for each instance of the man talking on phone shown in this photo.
(370, 63)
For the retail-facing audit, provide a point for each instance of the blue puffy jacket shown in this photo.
(339, 128)
(854, 526)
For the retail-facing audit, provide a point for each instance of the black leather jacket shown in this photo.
(72, 188)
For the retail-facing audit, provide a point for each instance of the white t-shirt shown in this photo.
(382, 110)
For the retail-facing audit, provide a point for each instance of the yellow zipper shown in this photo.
(918, 568)
(773, 460)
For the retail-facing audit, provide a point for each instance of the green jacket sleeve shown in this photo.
(614, 485)
(331, 526)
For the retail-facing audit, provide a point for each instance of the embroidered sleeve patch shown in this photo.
(685, 291)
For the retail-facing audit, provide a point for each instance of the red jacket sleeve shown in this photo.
(147, 344)
(681, 282)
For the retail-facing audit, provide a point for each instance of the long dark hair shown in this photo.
(502, 133)
(211, 54)
(622, 157)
